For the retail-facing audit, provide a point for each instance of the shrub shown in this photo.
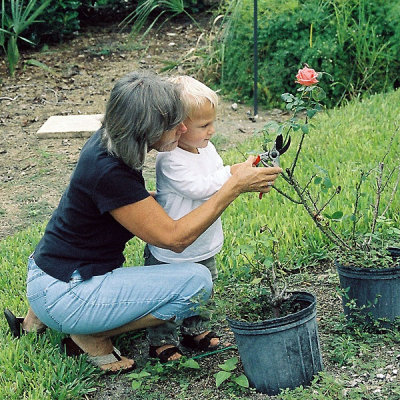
(59, 21)
(356, 41)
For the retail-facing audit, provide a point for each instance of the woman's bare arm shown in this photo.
(148, 220)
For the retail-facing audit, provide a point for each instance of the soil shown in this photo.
(34, 171)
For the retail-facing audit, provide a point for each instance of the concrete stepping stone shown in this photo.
(68, 126)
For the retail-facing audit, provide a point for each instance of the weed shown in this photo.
(226, 375)
(139, 17)
(151, 373)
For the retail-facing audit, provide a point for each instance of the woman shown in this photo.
(76, 283)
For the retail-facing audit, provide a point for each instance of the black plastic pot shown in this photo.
(282, 352)
(375, 291)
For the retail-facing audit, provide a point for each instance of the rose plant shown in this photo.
(348, 241)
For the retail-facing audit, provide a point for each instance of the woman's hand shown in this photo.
(250, 179)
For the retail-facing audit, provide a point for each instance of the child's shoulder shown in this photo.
(210, 149)
(171, 157)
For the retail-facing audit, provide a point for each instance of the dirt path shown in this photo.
(33, 171)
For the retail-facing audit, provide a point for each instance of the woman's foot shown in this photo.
(165, 353)
(20, 326)
(206, 341)
(32, 323)
(100, 346)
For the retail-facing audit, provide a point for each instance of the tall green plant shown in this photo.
(14, 24)
(139, 17)
(357, 41)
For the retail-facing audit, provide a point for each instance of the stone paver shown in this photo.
(66, 126)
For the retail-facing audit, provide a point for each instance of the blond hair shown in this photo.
(194, 94)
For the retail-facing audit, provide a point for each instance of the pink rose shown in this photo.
(306, 76)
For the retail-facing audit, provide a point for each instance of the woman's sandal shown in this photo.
(202, 344)
(164, 355)
(15, 324)
(71, 349)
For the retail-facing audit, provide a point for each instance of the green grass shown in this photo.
(33, 368)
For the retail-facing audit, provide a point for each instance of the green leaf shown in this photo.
(221, 377)
(318, 93)
(304, 128)
(136, 384)
(190, 363)
(311, 113)
(327, 183)
(337, 215)
(255, 281)
(229, 365)
(139, 375)
(241, 380)
(288, 97)
(12, 54)
(317, 180)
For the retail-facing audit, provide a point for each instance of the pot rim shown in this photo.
(367, 271)
(394, 252)
(281, 321)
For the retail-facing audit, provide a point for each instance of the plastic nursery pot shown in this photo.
(282, 352)
(375, 291)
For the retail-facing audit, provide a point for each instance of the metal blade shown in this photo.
(285, 147)
(279, 142)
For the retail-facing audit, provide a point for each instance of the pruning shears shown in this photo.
(270, 158)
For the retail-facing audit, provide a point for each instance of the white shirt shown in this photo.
(185, 180)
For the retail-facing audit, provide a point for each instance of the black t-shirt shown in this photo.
(81, 233)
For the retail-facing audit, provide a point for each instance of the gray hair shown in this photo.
(141, 107)
(194, 94)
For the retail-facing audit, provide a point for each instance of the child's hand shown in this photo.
(248, 162)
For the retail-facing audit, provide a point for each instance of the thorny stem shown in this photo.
(286, 195)
(299, 147)
(377, 201)
(355, 209)
(308, 183)
(324, 229)
(327, 227)
(336, 192)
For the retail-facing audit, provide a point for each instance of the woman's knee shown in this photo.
(201, 277)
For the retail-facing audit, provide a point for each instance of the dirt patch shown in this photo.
(33, 171)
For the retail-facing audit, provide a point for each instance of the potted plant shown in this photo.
(275, 330)
(365, 242)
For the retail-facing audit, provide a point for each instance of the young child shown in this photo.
(186, 177)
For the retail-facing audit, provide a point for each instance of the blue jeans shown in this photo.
(123, 295)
